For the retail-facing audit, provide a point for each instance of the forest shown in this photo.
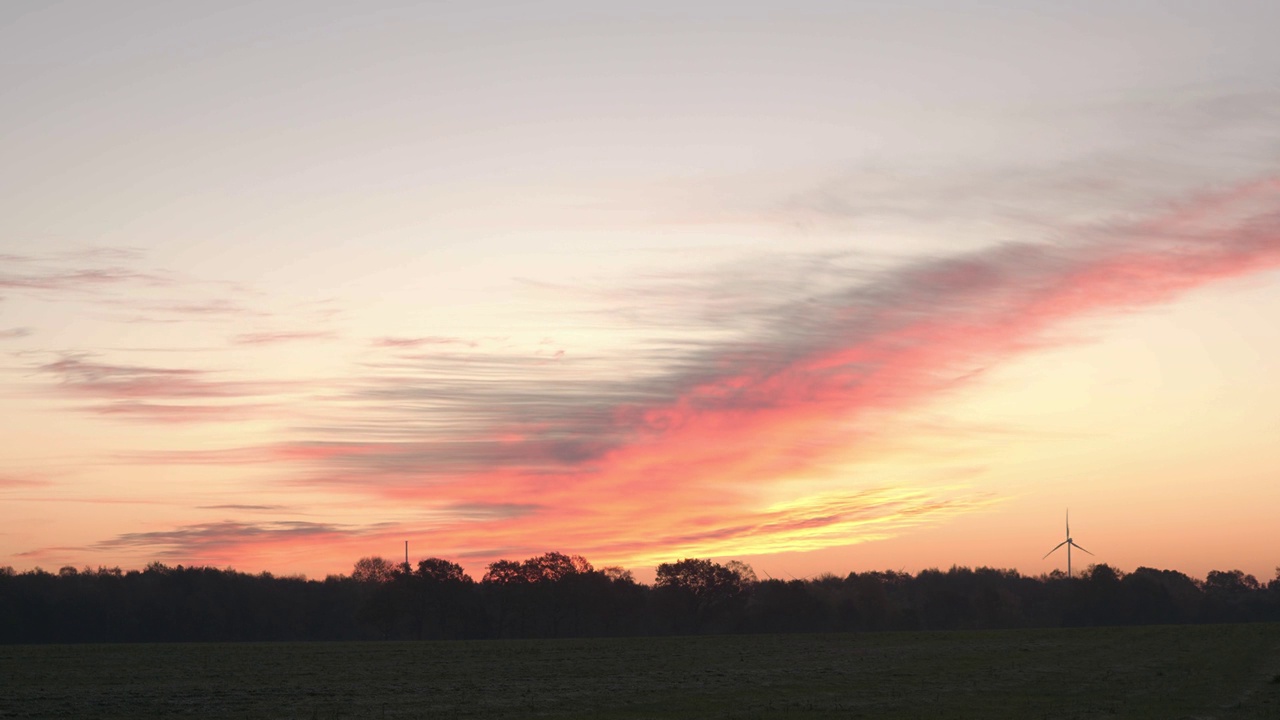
(557, 595)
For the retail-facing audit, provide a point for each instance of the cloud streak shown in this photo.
(252, 508)
(83, 280)
(271, 338)
(221, 542)
(9, 482)
(157, 393)
(415, 342)
(118, 289)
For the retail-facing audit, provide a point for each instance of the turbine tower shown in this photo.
(1069, 543)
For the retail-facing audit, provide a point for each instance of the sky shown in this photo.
(820, 286)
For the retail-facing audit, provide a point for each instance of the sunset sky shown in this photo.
(821, 286)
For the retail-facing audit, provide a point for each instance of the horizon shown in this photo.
(858, 285)
(643, 576)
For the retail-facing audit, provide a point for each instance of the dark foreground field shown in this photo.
(1221, 671)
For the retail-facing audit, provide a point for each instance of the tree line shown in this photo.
(557, 595)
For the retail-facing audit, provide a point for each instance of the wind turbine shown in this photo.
(1069, 543)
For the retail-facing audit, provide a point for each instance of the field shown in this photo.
(1220, 671)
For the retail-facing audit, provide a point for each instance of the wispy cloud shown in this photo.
(86, 280)
(157, 393)
(122, 289)
(806, 524)
(15, 333)
(213, 310)
(270, 338)
(89, 500)
(82, 374)
(656, 532)
(414, 342)
(1091, 185)
(11, 482)
(249, 508)
(181, 413)
(218, 307)
(226, 456)
(220, 542)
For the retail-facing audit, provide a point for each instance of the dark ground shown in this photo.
(1206, 671)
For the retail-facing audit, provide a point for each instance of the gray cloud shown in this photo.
(157, 393)
(213, 539)
(490, 511)
(80, 373)
(1179, 140)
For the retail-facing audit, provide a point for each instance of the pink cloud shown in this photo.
(737, 417)
(681, 459)
(83, 280)
(11, 482)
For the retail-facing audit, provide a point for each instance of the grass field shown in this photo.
(1161, 672)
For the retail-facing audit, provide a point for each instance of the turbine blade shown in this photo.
(1073, 542)
(1068, 523)
(1055, 549)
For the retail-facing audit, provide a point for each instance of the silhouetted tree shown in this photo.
(442, 598)
(1231, 596)
(437, 570)
(383, 604)
(503, 572)
(543, 590)
(555, 594)
(710, 592)
(621, 574)
(374, 570)
(1103, 594)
